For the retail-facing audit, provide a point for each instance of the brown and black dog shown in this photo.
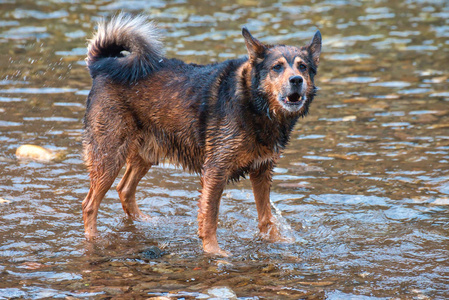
(222, 121)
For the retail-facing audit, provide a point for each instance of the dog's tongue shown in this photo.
(294, 97)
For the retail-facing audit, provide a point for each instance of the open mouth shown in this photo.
(293, 102)
(294, 98)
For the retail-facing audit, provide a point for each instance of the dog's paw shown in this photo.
(91, 235)
(219, 252)
(273, 235)
(281, 239)
(142, 217)
(214, 249)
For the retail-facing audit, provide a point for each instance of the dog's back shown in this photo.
(166, 104)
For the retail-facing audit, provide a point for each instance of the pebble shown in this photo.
(364, 274)
(428, 118)
(31, 265)
(152, 252)
(162, 270)
(441, 201)
(115, 290)
(303, 168)
(222, 262)
(221, 292)
(146, 286)
(316, 283)
(349, 118)
(343, 156)
(437, 126)
(439, 79)
(295, 185)
(269, 268)
(4, 201)
(34, 152)
(380, 105)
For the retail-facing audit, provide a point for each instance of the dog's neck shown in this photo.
(272, 128)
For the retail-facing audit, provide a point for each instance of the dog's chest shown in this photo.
(259, 157)
(260, 161)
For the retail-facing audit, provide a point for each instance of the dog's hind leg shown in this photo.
(105, 152)
(102, 178)
(136, 168)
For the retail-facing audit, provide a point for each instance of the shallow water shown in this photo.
(363, 187)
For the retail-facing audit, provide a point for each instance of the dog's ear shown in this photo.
(256, 49)
(314, 47)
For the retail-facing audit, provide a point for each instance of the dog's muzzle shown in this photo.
(296, 90)
(294, 99)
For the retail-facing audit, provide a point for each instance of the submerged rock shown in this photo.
(4, 201)
(34, 152)
(152, 252)
(441, 201)
(221, 292)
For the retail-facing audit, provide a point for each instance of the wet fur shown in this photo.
(223, 121)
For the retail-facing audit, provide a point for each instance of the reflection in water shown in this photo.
(363, 188)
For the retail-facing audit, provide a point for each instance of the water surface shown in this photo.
(363, 187)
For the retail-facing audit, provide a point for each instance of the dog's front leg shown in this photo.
(213, 182)
(261, 183)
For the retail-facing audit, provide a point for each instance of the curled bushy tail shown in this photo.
(126, 49)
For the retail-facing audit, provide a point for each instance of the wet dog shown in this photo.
(222, 121)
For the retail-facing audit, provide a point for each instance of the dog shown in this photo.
(222, 121)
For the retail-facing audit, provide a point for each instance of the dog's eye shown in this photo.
(302, 67)
(277, 67)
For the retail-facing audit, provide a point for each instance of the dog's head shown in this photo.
(284, 75)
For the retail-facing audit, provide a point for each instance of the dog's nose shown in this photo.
(295, 80)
